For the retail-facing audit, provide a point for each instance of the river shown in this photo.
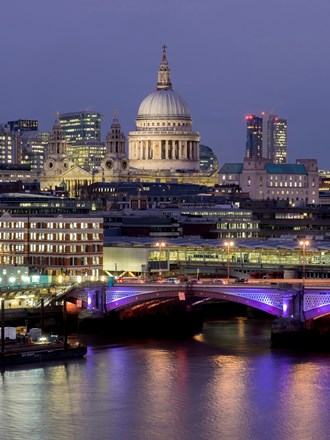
(226, 383)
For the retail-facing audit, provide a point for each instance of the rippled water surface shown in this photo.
(223, 384)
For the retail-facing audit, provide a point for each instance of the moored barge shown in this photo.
(39, 353)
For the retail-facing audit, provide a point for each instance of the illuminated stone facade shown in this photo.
(296, 183)
(58, 169)
(163, 148)
(115, 164)
(164, 139)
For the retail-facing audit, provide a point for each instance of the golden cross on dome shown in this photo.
(164, 52)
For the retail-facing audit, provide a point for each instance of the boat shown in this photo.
(37, 350)
(39, 353)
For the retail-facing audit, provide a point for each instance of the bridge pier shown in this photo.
(96, 299)
(289, 329)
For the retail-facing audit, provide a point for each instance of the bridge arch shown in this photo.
(269, 301)
(278, 300)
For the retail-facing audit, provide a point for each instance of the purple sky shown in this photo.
(228, 58)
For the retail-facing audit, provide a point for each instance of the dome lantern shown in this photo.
(164, 78)
(163, 103)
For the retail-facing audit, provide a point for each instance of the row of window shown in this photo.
(50, 225)
(237, 225)
(41, 236)
(278, 257)
(51, 248)
(167, 124)
(301, 193)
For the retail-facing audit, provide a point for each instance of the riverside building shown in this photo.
(65, 245)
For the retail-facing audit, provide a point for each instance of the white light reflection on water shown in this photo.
(226, 384)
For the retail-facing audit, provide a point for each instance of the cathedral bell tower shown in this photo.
(56, 156)
(115, 162)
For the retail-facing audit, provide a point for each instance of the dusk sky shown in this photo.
(228, 58)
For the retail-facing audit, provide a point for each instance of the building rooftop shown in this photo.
(231, 168)
(193, 241)
(287, 168)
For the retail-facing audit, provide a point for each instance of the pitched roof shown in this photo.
(287, 168)
(233, 168)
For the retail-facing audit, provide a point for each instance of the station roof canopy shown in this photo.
(195, 242)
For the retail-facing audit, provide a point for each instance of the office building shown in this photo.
(17, 129)
(82, 131)
(253, 136)
(13, 172)
(9, 145)
(266, 137)
(274, 138)
(34, 145)
(23, 125)
(86, 154)
(81, 126)
(208, 161)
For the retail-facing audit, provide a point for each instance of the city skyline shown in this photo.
(227, 60)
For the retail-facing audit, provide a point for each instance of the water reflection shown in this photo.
(226, 383)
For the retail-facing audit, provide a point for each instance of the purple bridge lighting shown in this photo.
(280, 300)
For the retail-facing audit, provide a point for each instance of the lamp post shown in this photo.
(303, 244)
(229, 244)
(160, 245)
(2, 301)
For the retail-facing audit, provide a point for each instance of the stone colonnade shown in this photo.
(74, 185)
(164, 149)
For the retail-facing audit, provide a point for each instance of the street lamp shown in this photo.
(2, 301)
(229, 244)
(160, 245)
(303, 244)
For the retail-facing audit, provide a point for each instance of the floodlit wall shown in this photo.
(125, 259)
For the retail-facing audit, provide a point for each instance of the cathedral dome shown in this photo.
(164, 141)
(163, 104)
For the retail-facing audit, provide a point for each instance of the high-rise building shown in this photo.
(82, 131)
(253, 136)
(22, 125)
(34, 148)
(81, 126)
(266, 137)
(280, 141)
(17, 128)
(9, 145)
(274, 138)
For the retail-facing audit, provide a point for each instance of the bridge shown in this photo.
(295, 305)
(282, 300)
